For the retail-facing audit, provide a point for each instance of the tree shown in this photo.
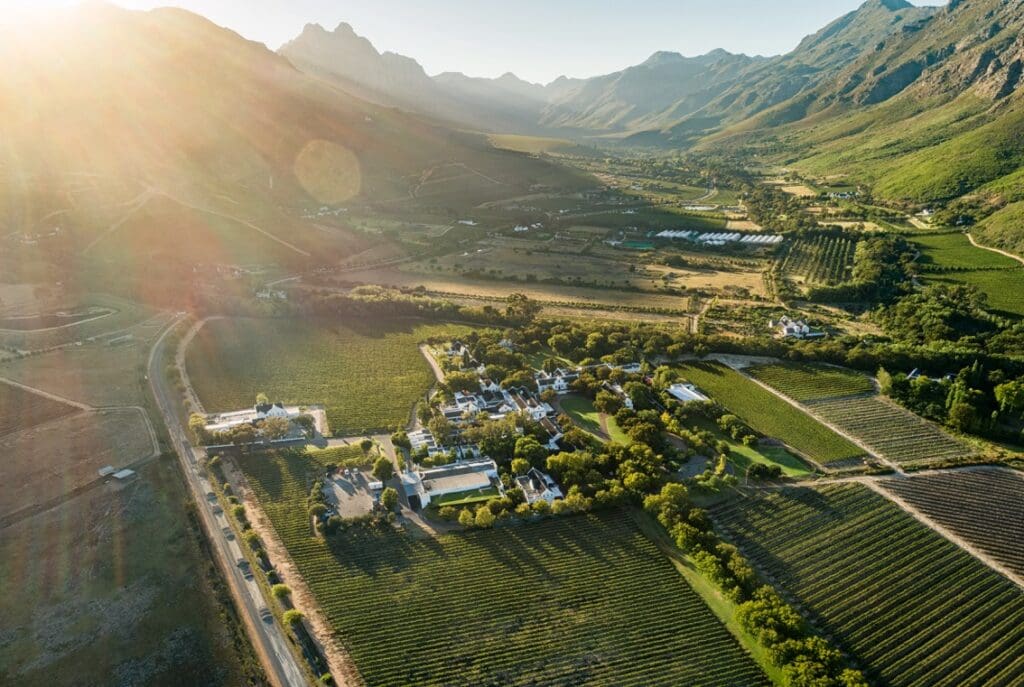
(607, 402)
(520, 466)
(365, 445)
(383, 470)
(530, 450)
(317, 510)
(389, 499)
(261, 399)
(466, 518)
(401, 440)
(293, 616)
(197, 425)
(281, 591)
(1010, 396)
(275, 428)
(520, 308)
(484, 517)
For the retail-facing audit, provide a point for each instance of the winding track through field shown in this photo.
(1004, 253)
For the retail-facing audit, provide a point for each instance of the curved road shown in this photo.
(268, 638)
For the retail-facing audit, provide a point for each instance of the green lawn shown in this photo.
(770, 415)
(465, 498)
(742, 456)
(482, 607)
(368, 375)
(583, 413)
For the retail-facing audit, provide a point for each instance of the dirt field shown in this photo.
(742, 225)
(500, 289)
(113, 589)
(49, 460)
(800, 191)
(97, 374)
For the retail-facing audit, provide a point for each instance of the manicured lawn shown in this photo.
(742, 456)
(368, 375)
(588, 599)
(770, 415)
(583, 413)
(465, 498)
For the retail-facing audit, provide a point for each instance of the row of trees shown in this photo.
(806, 660)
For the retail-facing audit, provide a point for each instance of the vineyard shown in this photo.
(1004, 288)
(912, 607)
(890, 431)
(807, 382)
(985, 507)
(20, 409)
(584, 596)
(954, 251)
(820, 259)
(367, 376)
(770, 415)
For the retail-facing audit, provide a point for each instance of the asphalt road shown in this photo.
(269, 638)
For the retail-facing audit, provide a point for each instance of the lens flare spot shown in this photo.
(328, 172)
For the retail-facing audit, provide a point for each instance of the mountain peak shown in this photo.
(889, 5)
(663, 57)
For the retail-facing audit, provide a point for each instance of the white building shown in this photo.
(538, 486)
(225, 421)
(687, 393)
(560, 381)
(477, 476)
(795, 329)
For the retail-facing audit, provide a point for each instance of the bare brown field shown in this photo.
(23, 300)
(513, 264)
(846, 224)
(113, 589)
(52, 459)
(459, 286)
(800, 191)
(97, 375)
(742, 225)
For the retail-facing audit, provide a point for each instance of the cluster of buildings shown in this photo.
(788, 328)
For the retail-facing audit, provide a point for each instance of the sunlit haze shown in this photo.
(538, 40)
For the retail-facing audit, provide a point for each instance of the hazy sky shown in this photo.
(536, 39)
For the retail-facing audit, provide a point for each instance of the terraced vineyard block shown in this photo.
(915, 609)
(984, 506)
(584, 600)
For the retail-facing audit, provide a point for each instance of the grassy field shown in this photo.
(586, 417)
(911, 606)
(1004, 288)
(943, 251)
(20, 409)
(113, 589)
(808, 382)
(368, 375)
(769, 415)
(742, 457)
(482, 607)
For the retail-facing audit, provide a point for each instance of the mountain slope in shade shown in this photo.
(112, 116)
(663, 89)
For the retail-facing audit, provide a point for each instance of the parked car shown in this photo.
(228, 533)
(266, 615)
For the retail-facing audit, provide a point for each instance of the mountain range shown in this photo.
(921, 104)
